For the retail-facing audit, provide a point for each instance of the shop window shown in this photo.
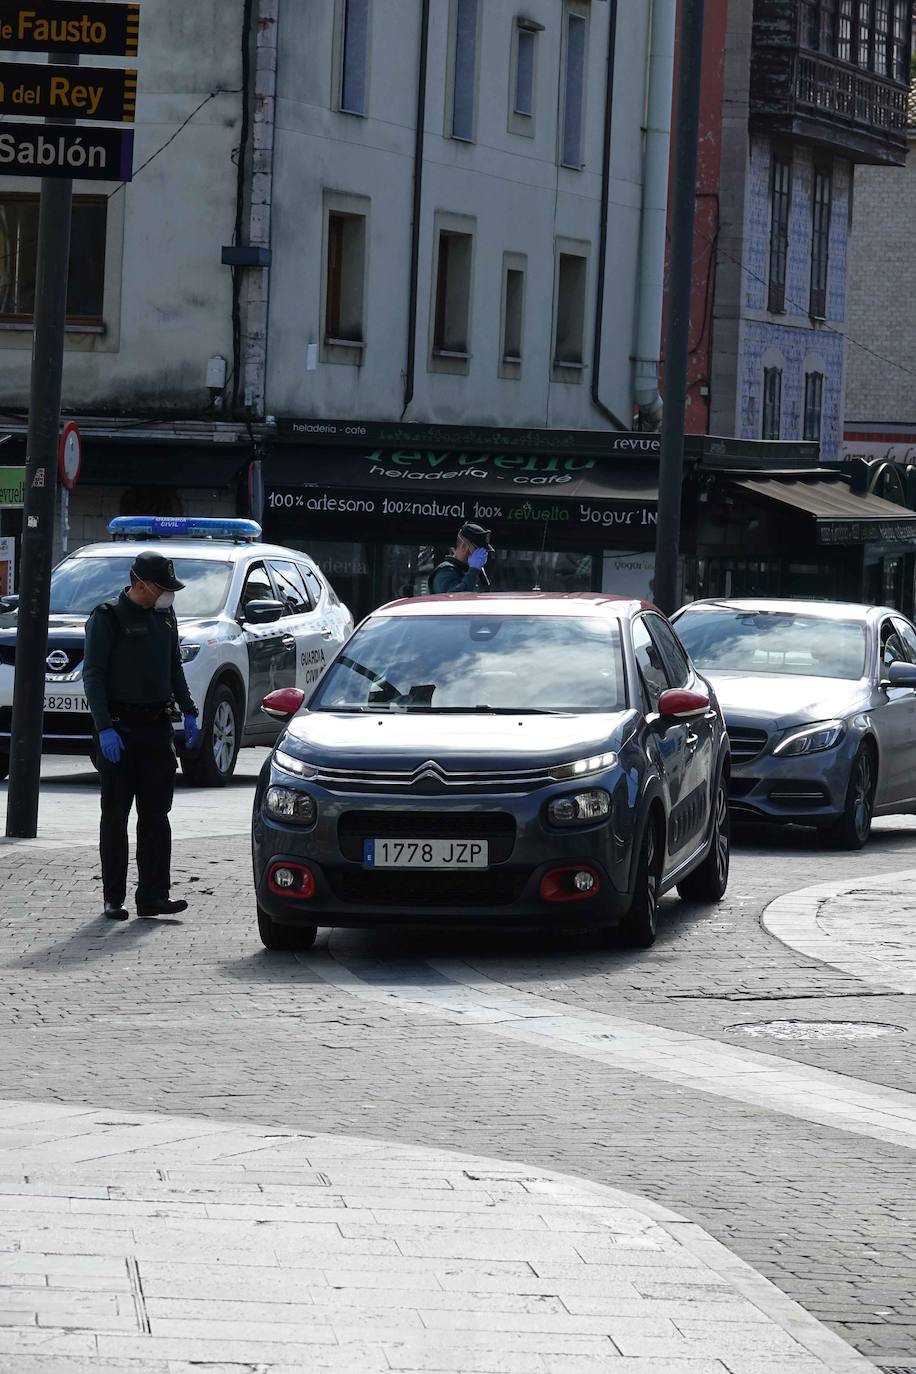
(354, 56)
(345, 282)
(569, 340)
(814, 405)
(19, 252)
(772, 402)
(780, 196)
(513, 314)
(820, 241)
(451, 319)
(573, 103)
(464, 71)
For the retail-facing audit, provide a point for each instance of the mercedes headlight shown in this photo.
(812, 740)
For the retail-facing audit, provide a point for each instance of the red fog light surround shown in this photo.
(291, 880)
(570, 884)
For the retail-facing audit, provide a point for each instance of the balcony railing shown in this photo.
(833, 88)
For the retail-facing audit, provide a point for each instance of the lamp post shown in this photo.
(680, 282)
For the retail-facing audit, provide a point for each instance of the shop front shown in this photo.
(568, 512)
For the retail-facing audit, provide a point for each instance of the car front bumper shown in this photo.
(506, 894)
(806, 790)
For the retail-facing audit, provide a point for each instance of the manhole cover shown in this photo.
(818, 1030)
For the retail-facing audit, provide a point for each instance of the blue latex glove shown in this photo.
(191, 732)
(478, 558)
(111, 744)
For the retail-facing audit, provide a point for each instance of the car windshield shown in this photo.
(757, 641)
(513, 663)
(78, 585)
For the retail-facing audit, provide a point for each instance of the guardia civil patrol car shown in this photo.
(252, 617)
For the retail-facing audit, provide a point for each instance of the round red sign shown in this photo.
(70, 458)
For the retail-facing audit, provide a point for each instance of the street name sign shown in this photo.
(98, 28)
(106, 93)
(48, 150)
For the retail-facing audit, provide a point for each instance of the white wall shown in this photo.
(511, 185)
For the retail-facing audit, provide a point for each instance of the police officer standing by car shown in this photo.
(464, 571)
(132, 674)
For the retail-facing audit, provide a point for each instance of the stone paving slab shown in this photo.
(168, 1277)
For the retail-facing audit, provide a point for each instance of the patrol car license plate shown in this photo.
(65, 701)
(443, 854)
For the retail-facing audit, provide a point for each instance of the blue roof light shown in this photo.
(183, 527)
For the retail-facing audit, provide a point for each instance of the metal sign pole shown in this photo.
(680, 282)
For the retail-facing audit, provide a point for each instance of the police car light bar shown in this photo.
(183, 527)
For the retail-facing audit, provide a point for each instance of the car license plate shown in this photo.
(65, 701)
(426, 854)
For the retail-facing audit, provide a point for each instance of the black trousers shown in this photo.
(145, 775)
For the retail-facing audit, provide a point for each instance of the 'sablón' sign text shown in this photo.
(98, 28)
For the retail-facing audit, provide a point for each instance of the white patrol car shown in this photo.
(252, 617)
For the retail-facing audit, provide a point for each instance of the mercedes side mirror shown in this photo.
(901, 675)
(283, 704)
(261, 612)
(677, 704)
(8, 603)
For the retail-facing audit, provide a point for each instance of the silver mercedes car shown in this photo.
(819, 699)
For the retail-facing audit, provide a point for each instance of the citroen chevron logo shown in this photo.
(429, 769)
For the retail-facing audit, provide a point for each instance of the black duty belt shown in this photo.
(140, 713)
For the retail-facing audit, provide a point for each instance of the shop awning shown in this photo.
(841, 515)
(397, 482)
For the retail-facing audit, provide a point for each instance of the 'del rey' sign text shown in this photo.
(99, 28)
(106, 93)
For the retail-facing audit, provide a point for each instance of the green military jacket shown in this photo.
(132, 655)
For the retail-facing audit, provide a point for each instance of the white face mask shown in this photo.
(163, 601)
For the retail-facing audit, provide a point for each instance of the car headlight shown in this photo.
(298, 767)
(581, 808)
(813, 739)
(596, 764)
(188, 652)
(288, 804)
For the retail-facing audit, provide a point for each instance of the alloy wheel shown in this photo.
(651, 880)
(862, 791)
(224, 736)
(722, 836)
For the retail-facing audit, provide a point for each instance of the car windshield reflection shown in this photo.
(78, 585)
(511, 664)
(758, 641)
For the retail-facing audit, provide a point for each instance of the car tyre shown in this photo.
(213, 762)
(277, 937)
(853, 828)
(709, 881)
(639, 927)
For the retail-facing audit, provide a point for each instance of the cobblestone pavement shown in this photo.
(151, 1244)
(376, 1035)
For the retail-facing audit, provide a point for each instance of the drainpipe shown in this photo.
(256, 299)
(418, 157)
(660, 87)
(603, 236)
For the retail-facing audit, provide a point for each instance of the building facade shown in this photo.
(813, 91)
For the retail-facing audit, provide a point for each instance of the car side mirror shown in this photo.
(679, 704)
(8, 603)
(901, 675)
(283, 704)
(261, 612)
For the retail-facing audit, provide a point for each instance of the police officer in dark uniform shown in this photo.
(464, 571)
(132, 673)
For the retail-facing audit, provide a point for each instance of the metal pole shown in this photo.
(680, 281)
(38, 515)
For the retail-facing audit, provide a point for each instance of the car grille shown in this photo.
(367, 888)
(746, 744)
(497, 827)
(798, 793)
(431, 780)
(73, 648)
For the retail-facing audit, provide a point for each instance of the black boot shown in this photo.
(115, 912)
(161, 908)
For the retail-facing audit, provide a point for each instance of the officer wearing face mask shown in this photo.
(132, 673)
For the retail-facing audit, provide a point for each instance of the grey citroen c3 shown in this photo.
(513, 760)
